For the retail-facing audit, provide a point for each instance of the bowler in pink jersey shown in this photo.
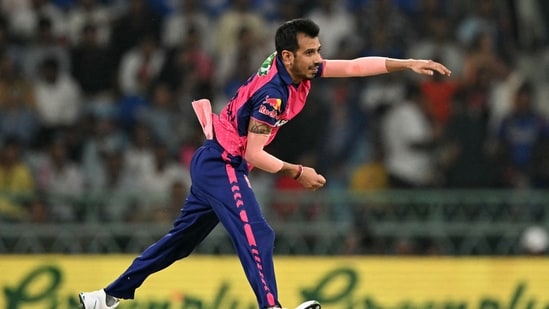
(235, 141)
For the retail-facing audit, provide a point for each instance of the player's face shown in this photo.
(305, 62)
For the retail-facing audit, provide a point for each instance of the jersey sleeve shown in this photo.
(267, 105)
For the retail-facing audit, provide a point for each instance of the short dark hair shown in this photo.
(286, 34)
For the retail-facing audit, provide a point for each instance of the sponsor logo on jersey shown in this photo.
(275, 103)
(271, 107)
(268, 112)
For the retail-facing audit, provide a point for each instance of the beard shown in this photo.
(305, 74)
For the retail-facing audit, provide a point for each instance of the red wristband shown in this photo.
(299, 172)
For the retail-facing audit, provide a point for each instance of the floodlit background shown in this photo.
(97, 131)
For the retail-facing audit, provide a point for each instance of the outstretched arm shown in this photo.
(368, 66)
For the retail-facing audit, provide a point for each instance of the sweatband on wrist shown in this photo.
(299, 172)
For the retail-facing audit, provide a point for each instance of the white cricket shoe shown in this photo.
(95, 300)
(310, 304)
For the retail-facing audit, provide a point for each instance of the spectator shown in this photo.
(25, 19)
(370, 175)
(166, 212)
(92, 65)
(380, 43)
(238, 63)
(58, 98)
(139, 155)
(190, 145)
(379, 94)
(16, 181)
(128, 29)
(156, 184)
(13, 80)
(104, 136)
(438, 43)
(8, 48)
(382, 22)
(140, 66)
(427, 11)
(520, 136)
(115, 188)
(284, 10)
(336, 24)
(342, 131)
(409, 142)
(529, 18)
(44, 46)
(287, 205)
(287, 209)
(62, 183)
(489, 17)
(18, 119)
(75, 137)
(189, 68)
(177, 25)
(37, 211)
(84, 13)
(234, 18)
(466, 161)
(163, 118)
(18, 116)
(241, 68)
(482, 58)
(439, 94)
(214, 8)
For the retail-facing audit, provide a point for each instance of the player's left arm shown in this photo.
(258, 134)
(373, 65)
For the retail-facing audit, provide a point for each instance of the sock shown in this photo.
(111, 300)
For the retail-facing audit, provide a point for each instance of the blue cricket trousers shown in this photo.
(220, 191)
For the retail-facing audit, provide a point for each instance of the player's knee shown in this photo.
(265, 233)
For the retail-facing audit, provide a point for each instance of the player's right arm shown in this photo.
(258, 135)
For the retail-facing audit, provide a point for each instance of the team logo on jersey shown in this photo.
(266, 65)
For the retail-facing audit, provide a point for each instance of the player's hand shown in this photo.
(429, 67)
(311, 180)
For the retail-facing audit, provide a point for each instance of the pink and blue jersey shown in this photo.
(268, 96)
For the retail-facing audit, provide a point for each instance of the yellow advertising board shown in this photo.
(208, 282)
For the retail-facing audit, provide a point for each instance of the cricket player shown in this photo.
(235, 141)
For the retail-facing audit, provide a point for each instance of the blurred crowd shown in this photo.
(95, 98)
